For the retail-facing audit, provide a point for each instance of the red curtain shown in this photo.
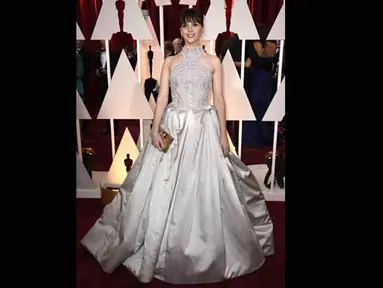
(265, 11)
(87, 13)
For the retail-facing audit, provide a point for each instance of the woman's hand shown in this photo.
(224, 145)
(157, 141)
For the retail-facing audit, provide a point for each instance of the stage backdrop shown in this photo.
(128, 92)
(263, 11)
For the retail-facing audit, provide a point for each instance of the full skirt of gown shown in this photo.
(187, 216)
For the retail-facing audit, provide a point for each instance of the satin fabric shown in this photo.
(190, 215)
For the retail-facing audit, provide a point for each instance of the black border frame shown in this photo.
(38, 142)
(41, 167)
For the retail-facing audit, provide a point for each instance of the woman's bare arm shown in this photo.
(219, 101)
(163, 95)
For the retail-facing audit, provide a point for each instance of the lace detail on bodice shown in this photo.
(190, 81)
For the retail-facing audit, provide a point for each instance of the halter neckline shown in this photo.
(192, 52)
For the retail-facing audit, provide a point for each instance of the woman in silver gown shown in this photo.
(194, 214)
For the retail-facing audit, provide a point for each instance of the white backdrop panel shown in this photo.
(276, 110)
(158, 57)
(83, 180)
(81, 111)
(125, 98)
(242, 22)
(117, 172)
(215, 19)
(237, 104)
(163, 2)
(188, 2)
(79, 35)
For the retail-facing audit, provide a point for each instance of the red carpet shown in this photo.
(90, 275)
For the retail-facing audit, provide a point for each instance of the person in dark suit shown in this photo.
(82, 77)
(100, 64)
(85, 57)
(79, 75)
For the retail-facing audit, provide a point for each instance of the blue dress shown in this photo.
(260, 93)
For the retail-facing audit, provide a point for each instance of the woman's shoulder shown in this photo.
(211, 61)
(212, 57)
(171, 61)
(271, 49)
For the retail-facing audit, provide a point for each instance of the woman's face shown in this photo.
(191, 32)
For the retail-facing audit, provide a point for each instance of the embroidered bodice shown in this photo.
(190, 81)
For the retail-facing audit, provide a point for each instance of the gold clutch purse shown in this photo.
(166, 139)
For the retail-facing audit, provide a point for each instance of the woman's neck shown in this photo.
(191, 46)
